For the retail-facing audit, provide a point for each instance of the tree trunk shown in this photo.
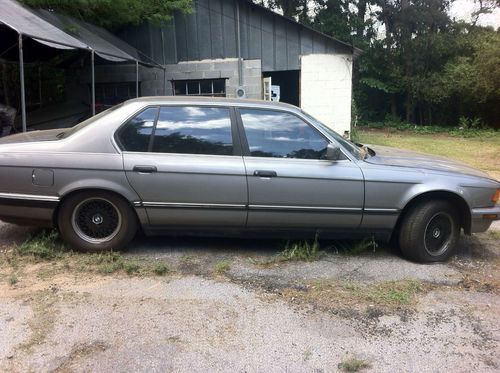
(394, 106)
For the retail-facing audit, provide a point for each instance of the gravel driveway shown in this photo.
(255, 315)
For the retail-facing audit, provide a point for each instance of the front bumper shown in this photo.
(482, 218)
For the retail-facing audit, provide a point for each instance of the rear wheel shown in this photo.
(429, 232)
(96, 221)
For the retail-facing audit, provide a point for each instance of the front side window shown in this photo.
(193, 130)
(135, 135)
(281, 135)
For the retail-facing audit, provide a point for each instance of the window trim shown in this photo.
(246, 146)
(237, 146)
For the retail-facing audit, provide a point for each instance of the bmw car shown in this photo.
(225, 166)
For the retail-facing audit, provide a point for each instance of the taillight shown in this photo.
(496, 196)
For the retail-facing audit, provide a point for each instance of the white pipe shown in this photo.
(21, 73)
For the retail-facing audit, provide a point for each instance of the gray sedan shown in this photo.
(219, 166)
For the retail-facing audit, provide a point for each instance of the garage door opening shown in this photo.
(288, 83)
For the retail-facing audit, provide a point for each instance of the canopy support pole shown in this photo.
(93, 82)
(164, 82)
(136, 78)
(21, 73)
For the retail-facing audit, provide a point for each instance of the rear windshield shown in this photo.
(87, 122)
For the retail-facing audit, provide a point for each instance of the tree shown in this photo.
(114, 14)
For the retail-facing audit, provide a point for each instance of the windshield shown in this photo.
(348, 145)
(85, 123)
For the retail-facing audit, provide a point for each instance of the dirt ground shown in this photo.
(226, 306)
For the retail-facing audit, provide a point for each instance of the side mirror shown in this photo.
(333, 152)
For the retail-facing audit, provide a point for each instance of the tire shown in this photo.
(429, 232)
(95, 221)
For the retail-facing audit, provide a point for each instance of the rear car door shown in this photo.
(290, 183)
(184, 163)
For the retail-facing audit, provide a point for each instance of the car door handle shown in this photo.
(145, 169)
(265, 173)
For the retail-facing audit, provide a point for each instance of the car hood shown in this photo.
(385, 155)
(32, 136)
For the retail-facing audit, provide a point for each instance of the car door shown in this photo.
(185, 165)
(290, 183)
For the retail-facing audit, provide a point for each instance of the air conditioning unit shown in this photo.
(240, 92)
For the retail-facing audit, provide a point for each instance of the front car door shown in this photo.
(186, 167)
(290, 183)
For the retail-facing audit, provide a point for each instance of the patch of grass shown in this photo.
(131, 267)
(334, 295)
(494, 234)
(361, 246)
(13, 279)
(221, 267)
(480, 151)
(301, 250)
(161, 269)
(46, 245)
(353, 364)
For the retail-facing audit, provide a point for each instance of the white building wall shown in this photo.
(325, 89)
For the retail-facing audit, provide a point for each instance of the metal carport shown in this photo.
(48, 28)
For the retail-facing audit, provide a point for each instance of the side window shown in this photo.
(135, 135)
(193, 130)
(281, 135)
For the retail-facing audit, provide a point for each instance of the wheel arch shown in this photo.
(95, 189)
(444, 195)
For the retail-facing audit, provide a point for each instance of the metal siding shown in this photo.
(181, 37)
(281, 60)
(216, 34)
(255, 39)
(245, 30)
(228, 19)
(306, 42)
(203, 28)
(267, 43)
(193, 47)
(170, 42)
(293, 47)
(319, 46)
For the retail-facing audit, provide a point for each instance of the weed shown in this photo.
(13, 280)
(494, 234)
(353, 365)
(45, 245)
(161, 269)
(301, 250)
(131, 267)
(361, 246)
(221, 267)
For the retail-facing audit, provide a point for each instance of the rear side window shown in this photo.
(193, 130)
(136, 134)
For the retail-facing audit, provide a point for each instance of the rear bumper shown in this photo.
(482, 218)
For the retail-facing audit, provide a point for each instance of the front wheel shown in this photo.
(96, 221)
(429, 232)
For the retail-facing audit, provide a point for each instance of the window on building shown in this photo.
(281, 135)
(206, 87)
(193, 130)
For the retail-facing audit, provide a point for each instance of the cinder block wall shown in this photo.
(152, 79)
(325, 89)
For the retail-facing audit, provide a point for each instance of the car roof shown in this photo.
(158, 100)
